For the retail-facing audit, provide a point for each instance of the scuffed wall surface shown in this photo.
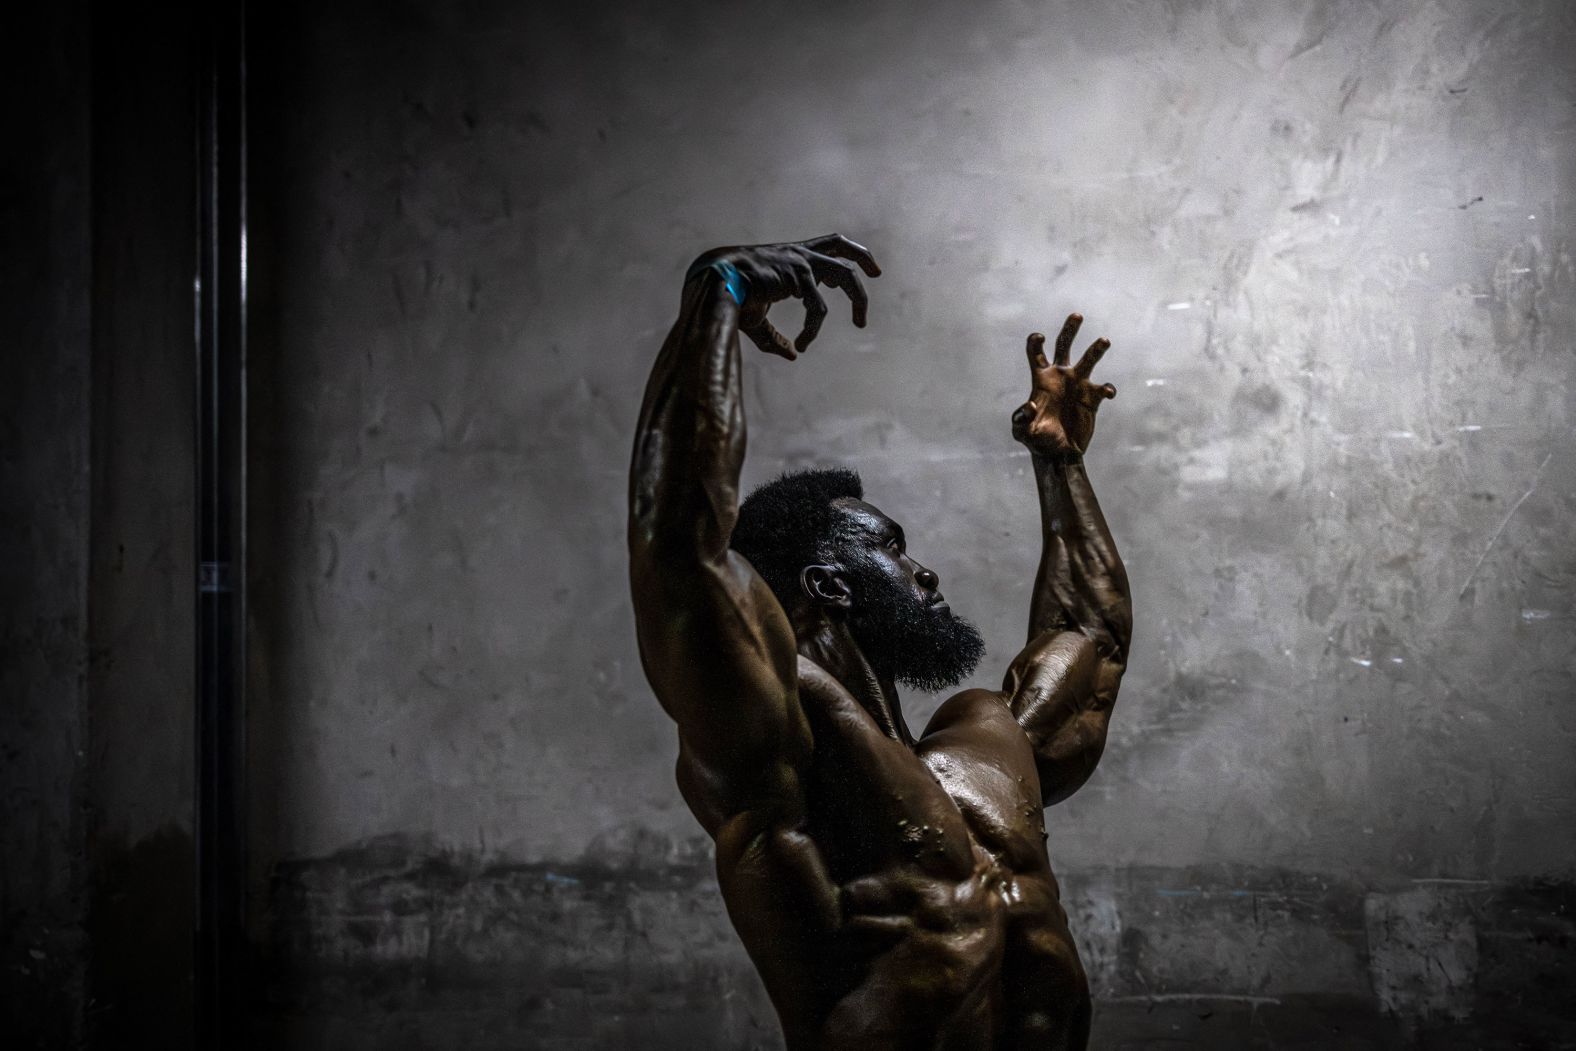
(1331, 245)
(397, 945)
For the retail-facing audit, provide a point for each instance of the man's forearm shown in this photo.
(689, 444)
(1081, 584)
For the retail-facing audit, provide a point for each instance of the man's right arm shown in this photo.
(715, 644)
(1064, 682)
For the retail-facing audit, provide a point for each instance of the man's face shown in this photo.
(899, 617)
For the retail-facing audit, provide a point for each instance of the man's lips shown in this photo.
(939, 603)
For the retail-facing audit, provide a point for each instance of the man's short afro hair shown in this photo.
(790, 523)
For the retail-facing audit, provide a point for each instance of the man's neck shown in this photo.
(828, 642)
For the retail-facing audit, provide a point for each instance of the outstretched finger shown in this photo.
(1036, 351)
(1064, 341)
(814, 310)
(1091, 358)
(835, 273)
(766, 337)
(842, 248)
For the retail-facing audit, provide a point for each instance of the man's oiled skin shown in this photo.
(892, 892)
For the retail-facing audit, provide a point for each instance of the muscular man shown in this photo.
(893, 892)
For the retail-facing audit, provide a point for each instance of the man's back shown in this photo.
(945, 928)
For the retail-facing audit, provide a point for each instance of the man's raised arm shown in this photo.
(1064, 682)
(715, 644)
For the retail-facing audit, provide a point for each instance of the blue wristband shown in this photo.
(732, 280)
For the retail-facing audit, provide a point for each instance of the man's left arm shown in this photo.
(1063, 684)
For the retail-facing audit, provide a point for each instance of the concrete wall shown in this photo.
(1331, 243)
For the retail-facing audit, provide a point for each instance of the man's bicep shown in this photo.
(720, 655)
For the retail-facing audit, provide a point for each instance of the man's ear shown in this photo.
(826, 587)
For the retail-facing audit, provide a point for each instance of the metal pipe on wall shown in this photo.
(220, 325)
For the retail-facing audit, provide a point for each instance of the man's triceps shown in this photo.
(720, 656)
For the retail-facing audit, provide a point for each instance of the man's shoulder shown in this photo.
(973, 709)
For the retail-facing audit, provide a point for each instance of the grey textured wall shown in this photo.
(1331, 243)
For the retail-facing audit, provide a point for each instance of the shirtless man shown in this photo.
(893, 893)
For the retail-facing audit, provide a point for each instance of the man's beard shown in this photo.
(918, 645)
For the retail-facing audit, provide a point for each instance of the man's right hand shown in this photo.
(780, 271)
(1058, 419)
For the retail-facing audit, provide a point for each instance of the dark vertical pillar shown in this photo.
(138, 779)
(221, 329)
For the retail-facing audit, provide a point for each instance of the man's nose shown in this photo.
(927, 579)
